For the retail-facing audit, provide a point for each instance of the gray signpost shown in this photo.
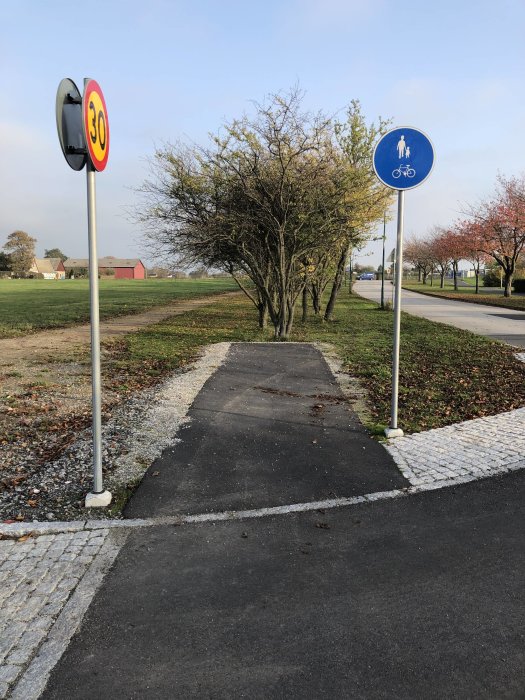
(403, 159)
(83, 132)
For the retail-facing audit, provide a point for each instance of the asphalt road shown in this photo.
(418, 597)
(421, 597)
(505, 325)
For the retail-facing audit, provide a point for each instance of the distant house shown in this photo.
(50, 268)
(125, 268)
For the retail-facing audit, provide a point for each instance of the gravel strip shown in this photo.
(135, 435)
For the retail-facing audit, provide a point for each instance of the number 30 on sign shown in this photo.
(96, 125)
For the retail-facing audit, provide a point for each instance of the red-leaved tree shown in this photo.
(472, 233)
(440, 252)
(501, 223)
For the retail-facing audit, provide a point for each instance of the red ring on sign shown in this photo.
(96, 125)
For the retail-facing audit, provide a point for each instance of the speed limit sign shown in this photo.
(96, 125)
(83, 132)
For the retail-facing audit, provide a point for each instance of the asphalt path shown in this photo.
(421, 597)
(505, 325)
(417, 597)
(271, 427)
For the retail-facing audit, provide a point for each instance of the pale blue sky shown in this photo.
(172, 70)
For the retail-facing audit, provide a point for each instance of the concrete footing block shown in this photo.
(98, 500)
(393, 432)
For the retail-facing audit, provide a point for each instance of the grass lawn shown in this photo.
(493, 296)
(32, 305)
(446, 375)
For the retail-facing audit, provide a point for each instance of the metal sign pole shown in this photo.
(383, 265)
(393, 430)
(83, 132)
(403, 159)
(98, 497)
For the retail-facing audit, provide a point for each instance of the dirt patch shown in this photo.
(45, 398)
(45, 345)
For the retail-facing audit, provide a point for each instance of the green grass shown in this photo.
(146, 356)
(446, 375)
(32, 305)
(493, 296)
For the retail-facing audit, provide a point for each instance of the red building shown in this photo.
(125, 268)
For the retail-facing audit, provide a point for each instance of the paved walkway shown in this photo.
(505, 325)
(272, 469)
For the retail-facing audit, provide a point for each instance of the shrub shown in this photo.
(492, 277)
(519, 285)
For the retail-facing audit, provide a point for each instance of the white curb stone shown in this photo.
(459, 453)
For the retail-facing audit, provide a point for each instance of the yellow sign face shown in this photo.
(96, 125)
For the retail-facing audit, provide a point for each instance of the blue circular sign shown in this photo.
(403, 158)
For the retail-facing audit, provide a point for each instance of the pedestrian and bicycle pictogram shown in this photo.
(403, 158)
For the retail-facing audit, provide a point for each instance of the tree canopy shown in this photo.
(55, 253)
(278, 198)
(21, 249)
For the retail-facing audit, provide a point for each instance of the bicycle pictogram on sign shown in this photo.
(405, 170)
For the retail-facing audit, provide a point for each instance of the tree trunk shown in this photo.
(260, 301)
(455, 273)
(316, 299)
(289, 321)
(477, 281)
(305, 304)
(263, 314)
(284, 320)
(336, 286)
(508, 284)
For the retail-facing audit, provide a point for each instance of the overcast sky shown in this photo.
(177, 69)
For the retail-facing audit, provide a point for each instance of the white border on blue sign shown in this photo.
(413, 187)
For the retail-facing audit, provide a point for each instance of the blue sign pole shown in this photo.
(403, 159)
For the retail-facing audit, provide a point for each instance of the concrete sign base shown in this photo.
(98, 500)
(393, 432)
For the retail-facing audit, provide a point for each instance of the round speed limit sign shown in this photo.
(96, 125)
